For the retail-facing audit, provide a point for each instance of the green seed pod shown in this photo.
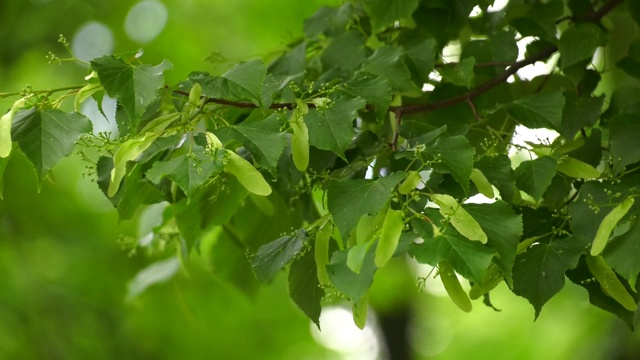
(481, 182)
(389, 237)
(609, 282)
(359, 311)
(453, 287)
(410, 183)
(577, 169)
(246, 174)
(323, 236)
(608, 224)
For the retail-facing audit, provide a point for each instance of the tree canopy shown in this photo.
(369, 140)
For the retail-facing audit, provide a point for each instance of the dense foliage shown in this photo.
(362, 143)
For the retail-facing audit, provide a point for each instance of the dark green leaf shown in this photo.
(621, 253)
(135, 86)
(497, 169)
(456, 156)
(583, 277)
(538, 274)
(47, 136)
(386, 12)
(304, 287)
(330, 21)
(375, 91)
(262, 138)
(579, 113)
(469, 258)
(273, 256)
(538, 111)
(387, 62)
(332, 129)
(624, 133)
(348, 200)
(503, 228)
(534, 176)
(346, 51)
(460, 74)
(422, 59)
(189, 171)
(540, 20)
(250, 77)
(579, 42)
(354, 285)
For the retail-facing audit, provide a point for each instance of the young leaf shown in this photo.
(304, 288)
(47, 136)
(273, 256)
(128, 151)
(246, 174)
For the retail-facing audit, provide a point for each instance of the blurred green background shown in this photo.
(64, 275)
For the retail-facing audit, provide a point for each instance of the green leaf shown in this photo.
(535, 176)
(189, 171)
(538, 111)
(386, 12)
(135, 86)
(624, 132)
(47, 136)
(455, 156)
(157, 272)
(348, 200)
(538, 274)
(262, 138)
(498, 171)
(422, 59)
(374, 90)
(353, 285)
(469, 258)
(346, 51)
(580, 112)
(273, 256)
(332, 128)
(460, 73)
(618, 254)
(579, 42)
(388, 62)
(634, 10)
(249, 76)
(330, 21)
(540, 20)
(304, 287)
(503, 228)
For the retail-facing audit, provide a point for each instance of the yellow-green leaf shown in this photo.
(577, 169)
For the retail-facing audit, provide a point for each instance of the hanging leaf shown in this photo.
(273, 256)
(304, 287)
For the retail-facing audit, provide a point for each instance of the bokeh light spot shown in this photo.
(94, 39)
(146, 20)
